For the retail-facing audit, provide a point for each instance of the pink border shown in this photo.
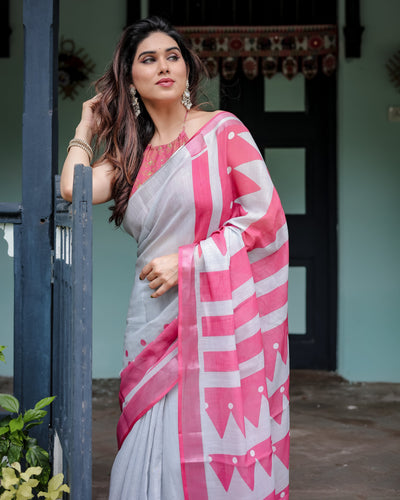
(189, 421)
(151, 354)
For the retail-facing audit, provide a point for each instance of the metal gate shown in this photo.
(72, 336)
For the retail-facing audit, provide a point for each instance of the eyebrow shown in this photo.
(154, 51)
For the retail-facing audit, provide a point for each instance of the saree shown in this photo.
(219, 340)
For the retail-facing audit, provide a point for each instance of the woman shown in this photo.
(204, 389)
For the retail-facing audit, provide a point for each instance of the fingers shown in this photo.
(162, 284)
(160, 291)
(93, 100)
(146, 270)
(162, 274)
(89, 108)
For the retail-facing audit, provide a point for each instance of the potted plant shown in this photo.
(18, 451)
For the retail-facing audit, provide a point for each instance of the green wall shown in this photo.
(369, 203)
(113, 250)
(11, 94)
(368, 200)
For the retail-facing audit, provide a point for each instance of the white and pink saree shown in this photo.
(204, 389)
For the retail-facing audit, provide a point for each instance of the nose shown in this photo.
(163, 66)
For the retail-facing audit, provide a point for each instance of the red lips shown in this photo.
(165, 82)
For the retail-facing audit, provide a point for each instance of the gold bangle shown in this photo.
(80, 143)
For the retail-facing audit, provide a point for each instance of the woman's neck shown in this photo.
(168, 122)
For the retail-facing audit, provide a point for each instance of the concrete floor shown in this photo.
(345, 437)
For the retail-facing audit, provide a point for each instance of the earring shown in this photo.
(186, 97)
(134, 101)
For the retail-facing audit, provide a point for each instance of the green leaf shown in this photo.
(36, 455)
(45, 475)
(32, 424)
(14, 453)
(17, 438)
(34, 415)
(30, 441)
(4, 444)
(4, 430)
(2, 358)
(44, 402)
(9, 403)
(17, 424)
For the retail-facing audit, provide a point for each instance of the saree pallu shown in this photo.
(222, 336)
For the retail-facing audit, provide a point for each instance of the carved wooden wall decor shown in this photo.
(393, 67)
(74, 68)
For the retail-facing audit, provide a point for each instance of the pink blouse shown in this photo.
(154, 158)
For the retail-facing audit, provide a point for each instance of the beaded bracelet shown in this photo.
(80, 143)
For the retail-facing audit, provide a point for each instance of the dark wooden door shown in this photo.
(312, 231)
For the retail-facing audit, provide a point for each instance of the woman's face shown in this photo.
(159, 71)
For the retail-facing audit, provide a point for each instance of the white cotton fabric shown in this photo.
(147, 466)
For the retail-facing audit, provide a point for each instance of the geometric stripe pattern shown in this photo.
(232, 334)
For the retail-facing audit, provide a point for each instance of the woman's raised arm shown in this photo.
(103, 173)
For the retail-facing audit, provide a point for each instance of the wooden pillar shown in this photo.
(32, 371)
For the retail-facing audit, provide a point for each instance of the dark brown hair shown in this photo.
(121, 136)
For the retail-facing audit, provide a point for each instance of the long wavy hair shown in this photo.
(120, 136)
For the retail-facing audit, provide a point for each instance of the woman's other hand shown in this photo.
(162, 273)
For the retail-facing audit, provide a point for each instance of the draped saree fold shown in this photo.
(222, 336)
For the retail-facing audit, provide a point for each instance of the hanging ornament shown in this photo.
(250, 67)
(393, 67)
(289, 67)
(329, 64)
(212, 66)
(229, 67)
(310, 67)
(269, 66)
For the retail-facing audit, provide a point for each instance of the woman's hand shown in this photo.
(162, 273)
(88, 125)
(103, 173)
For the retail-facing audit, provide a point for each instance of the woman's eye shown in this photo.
(173, 57)
(148, 60)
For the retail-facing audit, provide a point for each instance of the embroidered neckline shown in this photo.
(171, 144)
